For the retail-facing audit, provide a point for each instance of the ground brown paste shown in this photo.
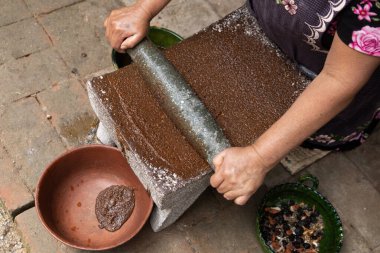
(114, 205)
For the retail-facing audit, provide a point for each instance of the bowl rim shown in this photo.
(298, 186)
(158, 28)
(39, 214)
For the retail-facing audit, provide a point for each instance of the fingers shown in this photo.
(131, 41)
(237, 174)
(216, 180)
(117, 40)
(242, 200)
(227, 185)
(218, 160)
(231, 195)
(105, 22)
(121, 40)
(239, 198)
(125, 27)
(106, 26)
(116, 34)
(223, 187)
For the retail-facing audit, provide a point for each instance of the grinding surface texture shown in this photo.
(243, 80)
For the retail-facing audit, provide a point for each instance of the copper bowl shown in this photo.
(67, 191)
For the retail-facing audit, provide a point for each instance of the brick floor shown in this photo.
(77, 33)
(12, 11)
(43, 70)
(353, 240)
(366, 159)
(216, 225)
(44, 6)
(30, 75)
(71, 114)
(29, 139)
(178, 16)
(352, 195)
(19, 44)
(13, 191)
(169, 240)
(34, 234)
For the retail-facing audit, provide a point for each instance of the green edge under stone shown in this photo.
(163, 38)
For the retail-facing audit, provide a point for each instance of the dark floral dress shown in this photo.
(304, 30)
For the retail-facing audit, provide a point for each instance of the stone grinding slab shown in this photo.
(243, 80)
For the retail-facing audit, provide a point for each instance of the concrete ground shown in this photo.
(47, 51)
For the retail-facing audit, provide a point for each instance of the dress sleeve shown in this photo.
(359, 26)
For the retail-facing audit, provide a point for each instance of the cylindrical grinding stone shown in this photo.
(179, 101)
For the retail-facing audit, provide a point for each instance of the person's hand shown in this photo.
(239, 172)
(126, 27)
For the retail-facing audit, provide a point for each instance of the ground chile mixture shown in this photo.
(292, 227)
(113, 207)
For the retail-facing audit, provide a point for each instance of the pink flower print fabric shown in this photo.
(366, 40)
(359, 26)
(364, 12)
(290, 6)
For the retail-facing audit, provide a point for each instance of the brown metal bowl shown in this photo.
(67, 191)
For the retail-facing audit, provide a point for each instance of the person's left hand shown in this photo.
(126, 27)
(239, 172)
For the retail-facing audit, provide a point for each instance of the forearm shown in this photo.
(239, 171)
(152, 8)
(344, 74)
(323, 99)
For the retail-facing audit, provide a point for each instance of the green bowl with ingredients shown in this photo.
(161, 37)
(295, 217)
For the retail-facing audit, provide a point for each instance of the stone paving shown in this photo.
(49, 49)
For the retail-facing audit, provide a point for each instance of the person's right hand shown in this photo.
(239, 172)
(126, 27)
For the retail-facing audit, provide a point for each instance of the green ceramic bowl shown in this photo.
(161, 37)
(300, 192)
